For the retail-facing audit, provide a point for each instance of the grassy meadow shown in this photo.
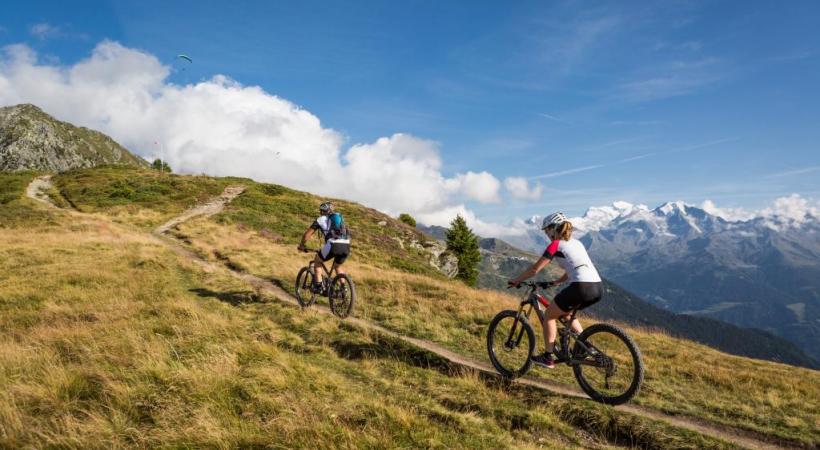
(682, 377)
(109, 339)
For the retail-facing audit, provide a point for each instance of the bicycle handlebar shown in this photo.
(533, 284)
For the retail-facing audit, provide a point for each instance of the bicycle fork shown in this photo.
(516, 331)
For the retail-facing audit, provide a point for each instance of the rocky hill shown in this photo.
(30, 139)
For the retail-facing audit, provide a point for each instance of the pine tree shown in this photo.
(464, 244)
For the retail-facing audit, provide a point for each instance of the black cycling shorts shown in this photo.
(338, 251)
(579, 295)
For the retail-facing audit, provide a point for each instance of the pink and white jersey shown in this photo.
(573, 258)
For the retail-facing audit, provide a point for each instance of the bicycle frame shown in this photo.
(565, 333)
(328, 273)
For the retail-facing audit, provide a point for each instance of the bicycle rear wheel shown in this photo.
(304, 287)
(510, 344)
(610, 369)
(342, 295)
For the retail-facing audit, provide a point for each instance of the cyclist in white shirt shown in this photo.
(585, 286)
(336, 237)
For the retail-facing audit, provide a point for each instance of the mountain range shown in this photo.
(502, 261)
(761, 272)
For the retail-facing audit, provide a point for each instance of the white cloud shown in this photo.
(730, 214)
(44, 31)
(789, 210)
(221, 127)
(444, 216)
(519, 188)
(482, 187)
(794, 209)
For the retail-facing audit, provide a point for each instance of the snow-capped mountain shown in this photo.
(761, 272)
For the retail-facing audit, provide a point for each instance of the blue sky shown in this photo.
(597, 101)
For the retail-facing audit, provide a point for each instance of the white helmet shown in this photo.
(556, 218)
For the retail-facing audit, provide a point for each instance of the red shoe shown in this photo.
(544, 360)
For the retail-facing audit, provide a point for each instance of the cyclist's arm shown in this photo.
(563, 278)
(308, 233)
(535, 268)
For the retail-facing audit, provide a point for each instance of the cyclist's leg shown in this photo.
(550, 326)
(592, 293)
(562, 304)
(576, 326)
(321, 256)
(317, 266)
(340, 254)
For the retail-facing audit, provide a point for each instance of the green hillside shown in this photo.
(139, 346)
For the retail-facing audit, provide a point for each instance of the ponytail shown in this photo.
(564, 231)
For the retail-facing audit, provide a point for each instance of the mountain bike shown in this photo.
(337, 287)
(604, 359)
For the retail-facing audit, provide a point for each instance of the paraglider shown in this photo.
(181, 62)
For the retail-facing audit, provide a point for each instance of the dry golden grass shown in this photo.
(682, 377)
(108, 340)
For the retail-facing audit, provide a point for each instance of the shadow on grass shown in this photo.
(234, 298)
(620, 429)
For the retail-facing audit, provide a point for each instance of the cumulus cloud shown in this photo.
(793, 208)
(444, 216)
(519, 188)
(482, 187)
(789, 210)
(730, 214)
(220, 127)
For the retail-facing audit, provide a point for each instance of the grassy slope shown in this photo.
(16, 210)
(259, 230)
(109, 339)
(682, 377)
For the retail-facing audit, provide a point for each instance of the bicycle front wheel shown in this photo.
(304, 287)
(510, 343)
(342, 295)
(607, 364)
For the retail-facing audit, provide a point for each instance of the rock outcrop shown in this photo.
(30, 139)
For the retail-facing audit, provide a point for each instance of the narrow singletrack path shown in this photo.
(37, 190)
(744, 438)
(213, 206)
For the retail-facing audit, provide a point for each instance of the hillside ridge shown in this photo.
(31, 139)
(746, 438)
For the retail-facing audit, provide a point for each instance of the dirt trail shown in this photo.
(37, 190)
(214, 206)
(744, 438)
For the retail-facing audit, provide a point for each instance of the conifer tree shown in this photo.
(464, 244)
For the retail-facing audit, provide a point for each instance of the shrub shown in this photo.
(408, 219)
